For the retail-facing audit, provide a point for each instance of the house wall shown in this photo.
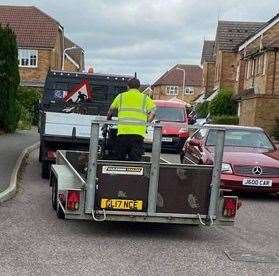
(261, 111)
(159, 93)
(228, 70)
(47, 58)
(208, 76)
(38, 73)
(69, 66)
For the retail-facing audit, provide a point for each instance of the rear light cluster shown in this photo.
(231, 205)
(183, 132)
(73, 200)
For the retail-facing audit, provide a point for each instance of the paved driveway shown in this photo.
(11, 145)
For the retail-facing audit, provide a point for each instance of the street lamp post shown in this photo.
(64, 53)
(184, 74)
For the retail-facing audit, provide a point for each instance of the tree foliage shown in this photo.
(202, 109)
(9, 80)
(223, 104)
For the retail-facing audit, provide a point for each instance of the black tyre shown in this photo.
(45, 172)
(54, 196)
(59, 212)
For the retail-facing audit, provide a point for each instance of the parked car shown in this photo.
(172, 115)
(250, 161)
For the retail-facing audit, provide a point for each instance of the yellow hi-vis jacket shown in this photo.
(133, 106)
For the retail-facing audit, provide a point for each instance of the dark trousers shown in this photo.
(131, 145)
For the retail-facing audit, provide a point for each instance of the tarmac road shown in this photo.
(34, 242)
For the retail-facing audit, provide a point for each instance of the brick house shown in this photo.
(170, 84)
(208, 66)
(41, 43)
(257, 85)
(229, 35)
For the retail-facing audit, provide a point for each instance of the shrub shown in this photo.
(28, 98)
(25, 121)
(9, 80)
(202, 109)
(275, 131)
(223, 104)
(225, 120)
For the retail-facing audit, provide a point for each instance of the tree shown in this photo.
(9, 80)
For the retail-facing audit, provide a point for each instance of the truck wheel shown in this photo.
(54, 196)
(59, 212)
(45, 169)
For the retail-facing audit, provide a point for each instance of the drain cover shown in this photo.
(254, 257)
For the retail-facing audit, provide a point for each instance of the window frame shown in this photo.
(27, 54)
(191, 90)
(172, 88)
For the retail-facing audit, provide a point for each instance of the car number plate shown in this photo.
(257, 182)
(166, 139)
(121, 204)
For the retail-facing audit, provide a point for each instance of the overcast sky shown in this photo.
(146, 36)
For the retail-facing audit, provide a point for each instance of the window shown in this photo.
(172, 90)
(170, 114)
(27, 58)
(188, 90)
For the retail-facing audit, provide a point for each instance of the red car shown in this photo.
(250, 161)
(172, 115)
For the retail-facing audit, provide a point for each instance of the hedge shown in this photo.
(223, 104)
(202, 109)
(225, 120)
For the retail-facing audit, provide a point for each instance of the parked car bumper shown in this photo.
(174, 144)
(235, 183)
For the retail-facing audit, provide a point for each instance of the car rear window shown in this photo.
(241, 138)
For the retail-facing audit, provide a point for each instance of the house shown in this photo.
(257, 85)
(146, 89)
(41, 44)
(208, 66)
(171, 83)
(229, 35)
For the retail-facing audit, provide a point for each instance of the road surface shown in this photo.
(34, 242)
(11, 145)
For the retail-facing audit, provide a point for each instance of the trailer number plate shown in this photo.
(121, 204)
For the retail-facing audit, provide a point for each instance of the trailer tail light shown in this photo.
(231, 204)
(51, 154)
(73, 200)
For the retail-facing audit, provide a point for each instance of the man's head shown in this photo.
(134, 83)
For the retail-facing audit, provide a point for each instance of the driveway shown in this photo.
(11, 145)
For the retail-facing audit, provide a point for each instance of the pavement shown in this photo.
(33, 241)
(11, 145)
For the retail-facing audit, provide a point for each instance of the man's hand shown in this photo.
(110, 113)
(151, 117)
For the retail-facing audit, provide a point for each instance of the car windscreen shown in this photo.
(241, 138)
(170, 114)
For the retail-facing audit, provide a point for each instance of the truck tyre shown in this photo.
(54, 196)
(59, 212)
(45, 169)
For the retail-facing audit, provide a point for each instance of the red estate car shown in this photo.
(250, 161)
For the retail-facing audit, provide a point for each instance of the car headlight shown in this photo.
(226, 168)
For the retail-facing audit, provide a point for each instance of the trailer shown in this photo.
(91, 186)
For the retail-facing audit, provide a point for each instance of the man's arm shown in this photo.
(151, 107)
(114, 106)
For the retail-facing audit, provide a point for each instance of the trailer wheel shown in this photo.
(45, 171)
(54, 196)
(59, 212)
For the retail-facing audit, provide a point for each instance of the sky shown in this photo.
(146, 36)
